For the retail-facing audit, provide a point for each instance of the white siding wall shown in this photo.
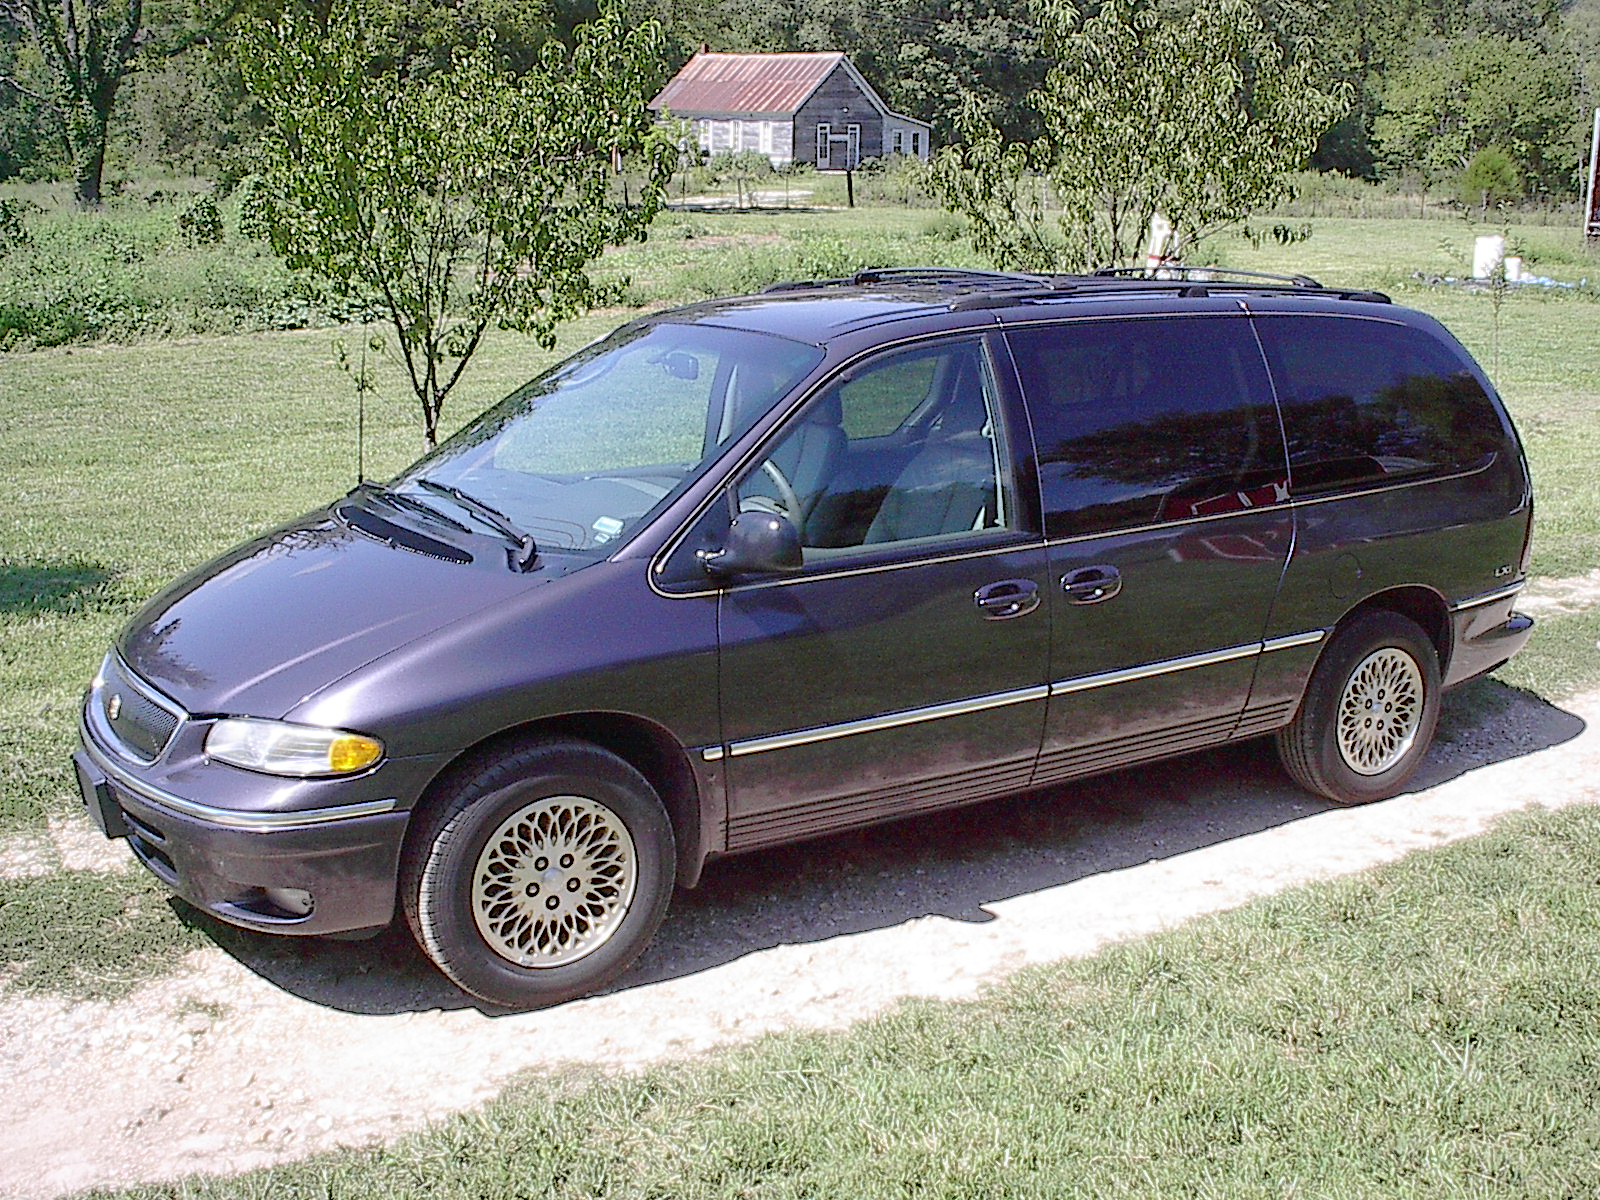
(912, 138)
(774, 138)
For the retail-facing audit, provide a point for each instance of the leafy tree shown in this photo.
(1199, 119)
(1361, 43)
(25, 144)
(744, 170)
(178, 113)
(1441, 109)
(88, 47)
(987, 49)
(467, 198)
(419, 37)
(1490, 177)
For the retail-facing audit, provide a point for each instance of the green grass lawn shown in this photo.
(1431, 1029)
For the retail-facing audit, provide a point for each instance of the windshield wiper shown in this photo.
(527, 550)
(401, 500)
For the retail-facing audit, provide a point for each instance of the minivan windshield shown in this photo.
(590, 450)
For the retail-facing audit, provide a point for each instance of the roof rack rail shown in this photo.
(1123, 282)
(911, 275)
(944, 274)
(994, 289)
(1204, 275)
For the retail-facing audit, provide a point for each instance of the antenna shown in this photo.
(361, 419)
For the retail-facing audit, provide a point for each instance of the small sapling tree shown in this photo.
(464, 200)
(1200, 118)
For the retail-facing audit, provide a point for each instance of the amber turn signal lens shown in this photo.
(352, 752)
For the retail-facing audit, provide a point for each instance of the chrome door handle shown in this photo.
(1006, 599)
(1091, 585)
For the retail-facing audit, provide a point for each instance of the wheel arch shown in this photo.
(645, 746)
(1426, 607)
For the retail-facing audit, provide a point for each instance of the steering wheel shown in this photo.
(786, 505)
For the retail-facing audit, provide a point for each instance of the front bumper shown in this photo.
(229, 859)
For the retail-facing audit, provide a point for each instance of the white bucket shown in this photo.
(1487, 253)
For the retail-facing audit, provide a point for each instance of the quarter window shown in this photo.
(1145, 421)
(1367, 402)
(906, 448)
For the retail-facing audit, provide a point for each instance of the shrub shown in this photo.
(200, 222)
(250, 198)
(1490, 177)
(13, 229)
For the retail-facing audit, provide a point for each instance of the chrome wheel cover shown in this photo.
(1380, 711)
(554, 881)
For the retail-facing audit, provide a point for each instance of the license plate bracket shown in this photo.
(98, 798)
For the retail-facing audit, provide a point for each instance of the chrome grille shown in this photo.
(142, 721)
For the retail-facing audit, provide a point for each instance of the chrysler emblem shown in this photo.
(114, 706)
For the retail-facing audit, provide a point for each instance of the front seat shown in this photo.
(949, 487)
(810, 455)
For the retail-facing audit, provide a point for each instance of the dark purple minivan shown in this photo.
(766, 568)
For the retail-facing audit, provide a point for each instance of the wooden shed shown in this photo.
(810, 108)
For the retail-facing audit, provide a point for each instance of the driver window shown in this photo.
(906, 448)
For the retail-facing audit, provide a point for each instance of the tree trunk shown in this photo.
(89, 47)
(88, 155)
(430, 424)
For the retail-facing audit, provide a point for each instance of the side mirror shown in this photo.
(758, 543)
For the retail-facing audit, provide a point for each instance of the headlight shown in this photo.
(280, 748)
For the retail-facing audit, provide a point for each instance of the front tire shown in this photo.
(539, 875)
(1369, 712)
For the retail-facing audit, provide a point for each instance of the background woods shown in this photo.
(155, 84)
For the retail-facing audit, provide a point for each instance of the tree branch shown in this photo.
(38, 97)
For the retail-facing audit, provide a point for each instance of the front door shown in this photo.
(903, 669)
(1165, 492)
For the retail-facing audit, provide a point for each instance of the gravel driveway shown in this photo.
(261, 1050)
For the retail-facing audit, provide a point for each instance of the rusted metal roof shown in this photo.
(757, 84)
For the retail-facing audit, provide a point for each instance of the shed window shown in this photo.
(916, 142)
(823, 133)
(898, 141)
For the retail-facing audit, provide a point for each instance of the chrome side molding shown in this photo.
(956, 708)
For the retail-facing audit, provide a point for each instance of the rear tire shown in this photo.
(1369, 713)
(539, 875)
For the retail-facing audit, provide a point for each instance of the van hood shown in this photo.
(273, 622)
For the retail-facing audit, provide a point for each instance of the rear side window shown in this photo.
(1367, 402)
(1139, 422)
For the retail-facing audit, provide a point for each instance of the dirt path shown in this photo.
(265, 1050)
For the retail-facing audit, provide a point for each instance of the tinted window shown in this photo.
(1366, 402)
(1144, 421)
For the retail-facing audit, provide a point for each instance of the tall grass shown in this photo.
(128, 271)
